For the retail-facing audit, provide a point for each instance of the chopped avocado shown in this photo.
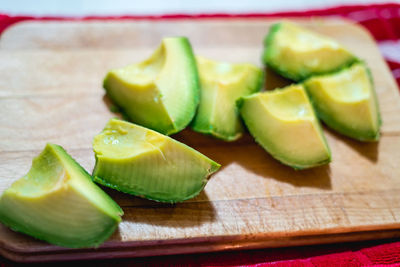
(284, 124)
(297, 53)
(58, 202)
(162, 92)
(145, 163)
(346, 101)
(221, 85)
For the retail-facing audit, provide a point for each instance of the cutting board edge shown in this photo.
(214, 239)
(198, 247)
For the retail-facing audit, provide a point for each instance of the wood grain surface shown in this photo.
(51, 91)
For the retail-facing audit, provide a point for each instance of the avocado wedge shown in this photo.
(57, 202)
(284, 124)
(346, 101)
(145, 163)
(162, 92)
(221, 85)
(297, 53)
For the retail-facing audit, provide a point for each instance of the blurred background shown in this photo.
(158, 7)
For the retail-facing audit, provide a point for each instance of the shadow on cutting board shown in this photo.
(268, 167)
(272, 80)
(190, 213)
(369, 150)
(113, 108)
(252, 157)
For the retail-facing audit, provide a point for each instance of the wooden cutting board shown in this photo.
(51, 91)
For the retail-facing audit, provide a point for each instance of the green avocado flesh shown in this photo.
(162, 92)
(284, 124)
(297, 53)
(142, 162)
(58, 202)
(221, 85)
(346, 101)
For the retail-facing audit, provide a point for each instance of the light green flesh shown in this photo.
(57, 202)
(162, 92)
(284, 124)
(297, 53)
(142, 162)
(221, 85)
(346, 101)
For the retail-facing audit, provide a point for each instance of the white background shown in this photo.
(157, 7)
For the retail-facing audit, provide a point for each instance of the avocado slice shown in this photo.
(297, 53)
(57, 202)
(145, 163)
(346, 101)
(162, 92)
(221, 85)
(284, 124)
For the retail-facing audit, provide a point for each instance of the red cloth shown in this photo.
(383, 21)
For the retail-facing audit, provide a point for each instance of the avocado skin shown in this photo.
(99, 176)
(181, 123)
(176, 124)
(18, 227)
(170, 200)
(283, 160)
(333, 124)
(370, 136)
(301, 74)
(109, 229)
(287, 162)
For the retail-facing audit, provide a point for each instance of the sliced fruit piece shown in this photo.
(297, 53)
(162, 92)
(221, 85)
(58, 202)
(284, 124)
(142, 162)
(346, 101)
